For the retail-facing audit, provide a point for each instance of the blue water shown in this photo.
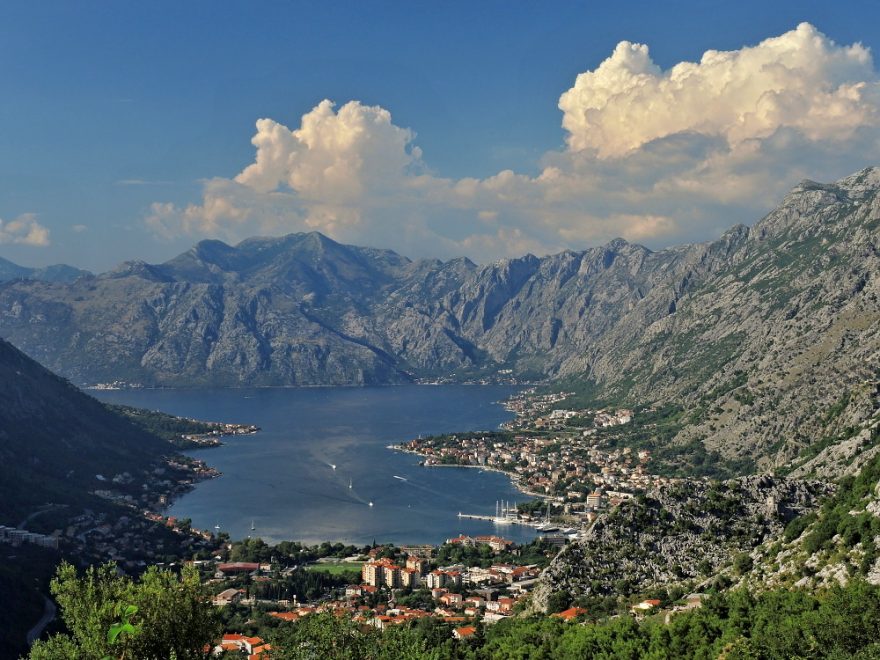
(282, 480)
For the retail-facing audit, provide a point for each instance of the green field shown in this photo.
(336, 567)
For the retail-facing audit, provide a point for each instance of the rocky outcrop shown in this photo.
(688, 530)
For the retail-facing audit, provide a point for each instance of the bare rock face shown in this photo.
(769, 336)
(686, 530)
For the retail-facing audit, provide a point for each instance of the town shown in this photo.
(567, 458)
(463, 584)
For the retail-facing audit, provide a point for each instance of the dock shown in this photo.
(498, 520)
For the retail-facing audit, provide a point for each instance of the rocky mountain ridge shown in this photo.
(760, 334)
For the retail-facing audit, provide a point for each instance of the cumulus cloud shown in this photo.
(800, 80)
(333, 156)
(651, 155)
(24, 230)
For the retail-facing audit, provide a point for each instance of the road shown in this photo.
(49, 611)
(43, 509)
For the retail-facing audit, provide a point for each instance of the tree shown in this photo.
(558, 601)
(324, 637)
(173, 617)
(742, 563)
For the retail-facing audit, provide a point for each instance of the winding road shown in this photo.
(49, 611)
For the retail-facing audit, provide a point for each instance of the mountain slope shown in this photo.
(686, 531)
(776, 348)
(55, 440)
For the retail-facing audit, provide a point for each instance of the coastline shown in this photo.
(198, 469)
(514, 478)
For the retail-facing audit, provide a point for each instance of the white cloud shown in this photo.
(799, 80)
(654, 156)
(24, 230)
(333, 156)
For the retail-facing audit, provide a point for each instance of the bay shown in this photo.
(282, 480)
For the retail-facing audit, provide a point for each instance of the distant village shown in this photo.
(219, 429)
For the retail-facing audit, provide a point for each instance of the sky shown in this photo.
(484, 129)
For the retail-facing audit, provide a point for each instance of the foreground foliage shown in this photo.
(173, 620)
(168, 616)
(842, 622)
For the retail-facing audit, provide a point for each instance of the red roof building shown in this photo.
(570, 613)
(464, 632)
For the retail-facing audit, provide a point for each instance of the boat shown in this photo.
(253, 527)
(401, 478)
(349, 484)
(371, 504)
(332, 466)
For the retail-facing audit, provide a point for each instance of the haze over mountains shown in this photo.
(760, 331)
(54, 273)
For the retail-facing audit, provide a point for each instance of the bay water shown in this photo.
(283, 483)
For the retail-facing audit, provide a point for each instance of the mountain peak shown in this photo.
(863, 182)
(54, 273)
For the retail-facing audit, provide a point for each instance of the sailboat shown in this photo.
(349, 484)
(253, 527)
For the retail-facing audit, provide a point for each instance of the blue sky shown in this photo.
(123, 126)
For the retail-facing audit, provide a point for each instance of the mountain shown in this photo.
(55, 440)
(300, 310)
(767, 337)
(55, 273)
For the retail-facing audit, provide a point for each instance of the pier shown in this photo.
(504, 515)
(497, 521)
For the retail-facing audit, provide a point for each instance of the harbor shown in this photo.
(509, 515)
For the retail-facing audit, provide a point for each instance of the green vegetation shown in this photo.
(347, 568)
(329, 637)
(844, 514)
(24, 576)
(168, 427)
(842, 622)
(162, 615)
(655, 428)
(291, 552)
(539, 552)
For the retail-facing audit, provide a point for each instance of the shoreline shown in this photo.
(165, 388)
(514, 480)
